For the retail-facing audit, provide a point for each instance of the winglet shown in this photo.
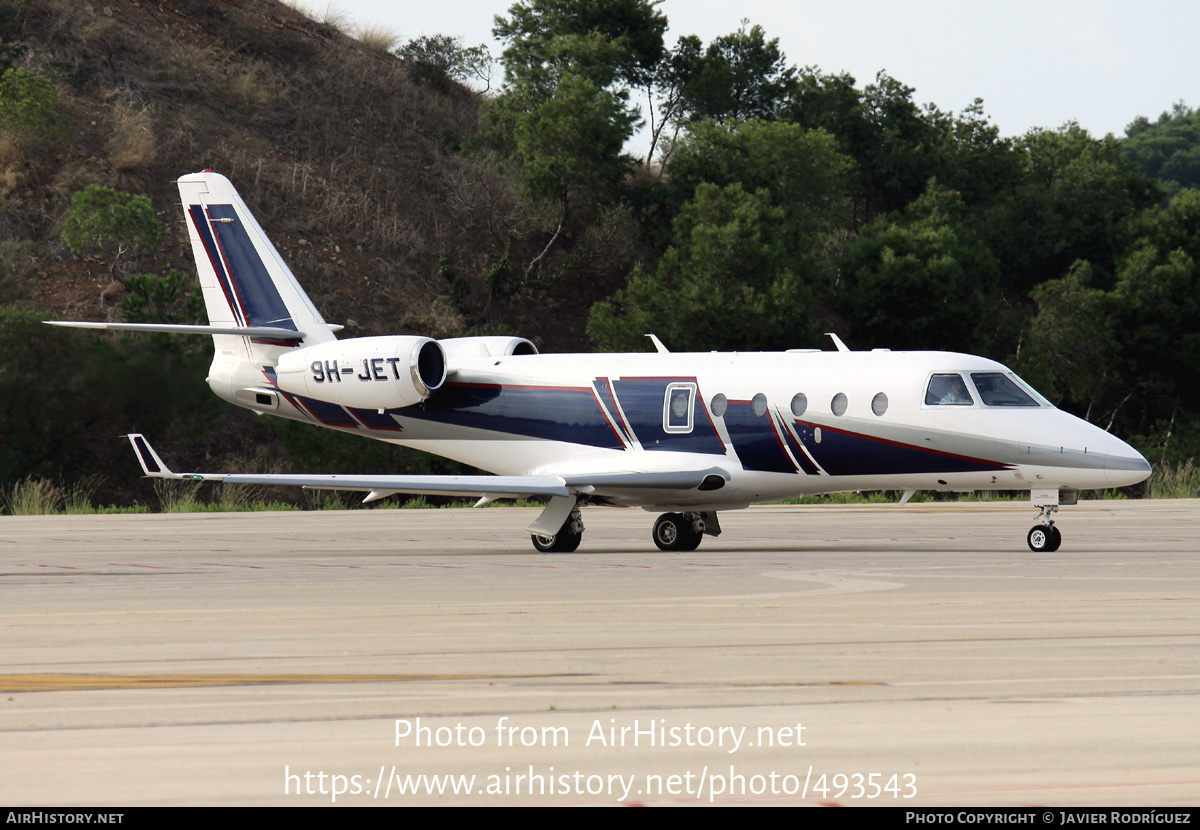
(152, 465)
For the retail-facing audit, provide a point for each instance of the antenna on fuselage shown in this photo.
(658, 346)
(837, 341)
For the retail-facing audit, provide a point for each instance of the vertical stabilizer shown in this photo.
(244, 279)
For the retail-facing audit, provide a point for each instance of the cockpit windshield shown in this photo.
(947, 390)
(999, 389)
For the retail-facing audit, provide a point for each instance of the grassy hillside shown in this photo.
(354, 164)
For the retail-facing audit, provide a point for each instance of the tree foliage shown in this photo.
(728, 282)
(606, 40)
(100, 216)
(1168, 149)
(918, 278)
(739, 76)
(27, 105)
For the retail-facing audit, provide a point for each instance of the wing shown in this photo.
(564, 491)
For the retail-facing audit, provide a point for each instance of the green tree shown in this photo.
(739, 76)
(728, 282)
(604, 40)
(918, 281)
(103, 217)
(894, 142)
(1074, 199)
(165, 299)
(803, 170)
(564, 115)
(437, 57)
(1157, 295)
(64, 425)
(1168, 149)
(1071, 350)
(27, 106)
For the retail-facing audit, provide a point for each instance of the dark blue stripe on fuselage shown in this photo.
(252, 284)
(374, 419)
(549, 413)
(604, 392)
(843, 453)
(754, 441)
(642, 401)
(328, 413)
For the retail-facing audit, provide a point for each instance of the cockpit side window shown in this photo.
(998, 389)
(948, 390)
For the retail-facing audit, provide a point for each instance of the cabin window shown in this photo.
(998, 389)
(948, 390)
(759, 404)
(879, 404)
(718, 405)
(839, 404)
(799, 404)
(677, 407)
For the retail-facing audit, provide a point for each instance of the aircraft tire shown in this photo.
(561, 542)
(1043, 539)
(671, 532)
(1055, 540)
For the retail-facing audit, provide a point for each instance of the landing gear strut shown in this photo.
(1044, 537)
(567, 538)
(679, 531)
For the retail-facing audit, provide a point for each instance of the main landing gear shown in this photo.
(567, 538)
(561, 542)
(1044, 536)
(683, 531)
(672, 531)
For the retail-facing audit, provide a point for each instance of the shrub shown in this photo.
(27, 105)
(100, 215)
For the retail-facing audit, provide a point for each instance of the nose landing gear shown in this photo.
(1044, 537)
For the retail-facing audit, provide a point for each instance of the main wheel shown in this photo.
(561, 542)
(1044, 539)
(673, 532)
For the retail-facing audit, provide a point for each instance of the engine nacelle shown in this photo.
(486, 346)
(365, 372)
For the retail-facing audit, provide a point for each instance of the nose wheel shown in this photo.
(1044, 539)
(1044, 536)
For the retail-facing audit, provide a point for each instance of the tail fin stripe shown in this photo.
(146, 455)
(210, 247)
(256, 292)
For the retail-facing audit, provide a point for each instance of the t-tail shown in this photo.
(247, 286)
(273, 350)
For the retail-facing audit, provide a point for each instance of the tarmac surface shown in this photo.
(865, 655)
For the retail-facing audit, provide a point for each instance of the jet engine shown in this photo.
(365, 372)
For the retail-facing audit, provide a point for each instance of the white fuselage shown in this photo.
(866, 423)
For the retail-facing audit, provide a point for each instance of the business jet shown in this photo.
(687, 435)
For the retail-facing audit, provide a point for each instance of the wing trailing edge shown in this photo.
(564, 492)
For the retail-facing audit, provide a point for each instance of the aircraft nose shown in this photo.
(1123, 465)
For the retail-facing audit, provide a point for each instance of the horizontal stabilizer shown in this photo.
(261, 332)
